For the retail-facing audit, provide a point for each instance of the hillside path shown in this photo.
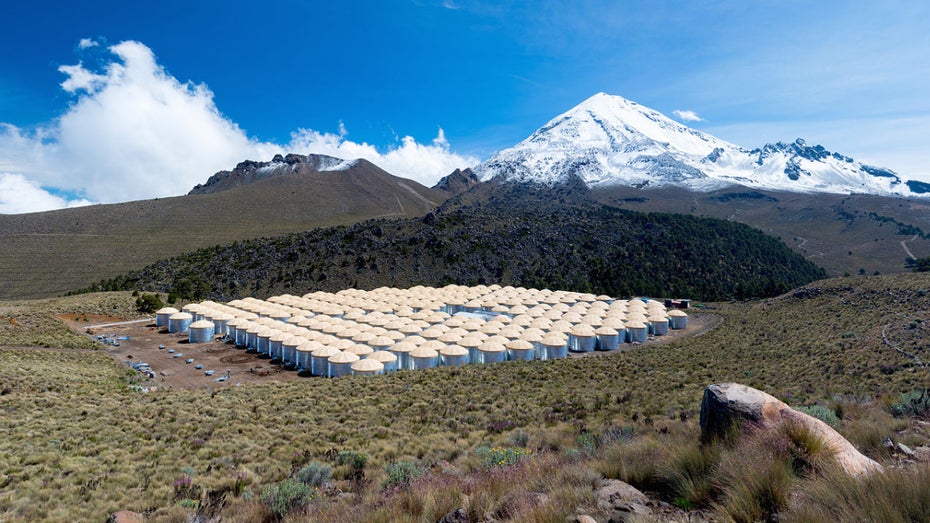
(908, 251)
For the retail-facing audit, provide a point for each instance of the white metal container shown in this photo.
(582, 338)
(387, 358)
(520, 350)
(201, 332)
(179, 322)
(453, 356)
(677, 319)
(162, 315)
(340, 364)
(367, 367)
(608, 338)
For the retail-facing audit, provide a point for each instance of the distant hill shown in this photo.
(50, 253)
(854, 234)
(507, 234)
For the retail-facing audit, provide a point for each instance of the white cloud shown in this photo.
(19, 195)
(687, 116)
(87, 43)
(413, 160)
(135, 132)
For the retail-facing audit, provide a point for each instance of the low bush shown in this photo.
(400, 473)
(500, 456)
(823, 414)
(287, 496)
(914, 403)
(315, 474)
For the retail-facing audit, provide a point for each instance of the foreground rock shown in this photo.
(727, 404)
(622, 501)
(125, 516)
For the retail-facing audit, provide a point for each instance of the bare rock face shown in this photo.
(622, 501)
(125, 516)
(727, 404)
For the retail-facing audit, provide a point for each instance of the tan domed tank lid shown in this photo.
(367, 365)
(677, 313)
(324, 351)
(180, 316)
(360, 349)
(635, 325)
(453, 350)
(343, 357)
(491, 346)
(583, 330)
(470, 342)
(202, 324)
(519, 345)
(308, 346)
(554, 340)
(423, 352)
(403, 346)
(383, 356)
(381, 341)
(363, 337)
(167, 310)
(606, 331)
(342, 344)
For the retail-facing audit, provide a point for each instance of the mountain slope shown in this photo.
(513, 235)
(609, 141)
(251, 171)
(51, 253)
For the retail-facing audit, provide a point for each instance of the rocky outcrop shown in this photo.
(729, 405)
(125, 516)
(622, 501)
(457, 182)
(250, 171)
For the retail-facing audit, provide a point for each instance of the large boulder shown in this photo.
(125, 516)
(729, 405)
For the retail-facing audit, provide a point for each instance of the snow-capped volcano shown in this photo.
(609, 140)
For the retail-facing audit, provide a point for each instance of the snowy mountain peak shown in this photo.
(608, 140)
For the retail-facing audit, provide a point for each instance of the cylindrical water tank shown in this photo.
(304, 350)
(242, 333)
(423, 358)
(275, 344)
(264, 339)
(471, 344)
(658, 325)
(453, 356)
(387, 358)
(492, 352)
(677, 319)
(360, 349)
(582, 338)
(179, 322)
(162, 315)
(252, 335)
(607, 338)
(402, 350)
(201, 332)
(520, 350)
(381, 343)
(554, 347)
(289, 349)
(367, 367)
(220, 322)
(319, 360)
(636, 332)
(340, 364)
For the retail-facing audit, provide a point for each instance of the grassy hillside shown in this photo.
(50, 253)
(513, 236)
(79, 444)
(854, 234)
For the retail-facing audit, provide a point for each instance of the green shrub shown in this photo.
(148, 303)
(354, 462)
(315, 474)
(915, 403)
(500, 456)
(823, 414)
(288, 496)
(400, 473)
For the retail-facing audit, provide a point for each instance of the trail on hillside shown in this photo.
(908, 251)
(801, 246)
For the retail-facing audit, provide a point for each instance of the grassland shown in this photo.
(80, 444)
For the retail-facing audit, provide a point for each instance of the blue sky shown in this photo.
(227, 81)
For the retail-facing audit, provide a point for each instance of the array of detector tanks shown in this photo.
(372, 332)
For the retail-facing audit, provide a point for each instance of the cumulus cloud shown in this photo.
(687, 116)
(19, 195)
(87, 43)
(134, 132)
(424, 163)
